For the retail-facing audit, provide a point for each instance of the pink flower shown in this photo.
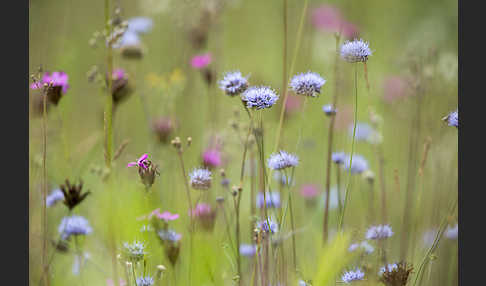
(118, 74)
(54, 79)
(293, 103)
(166, 216)
(211, 158)
(110, 282)
(328, 18)
(201, 61)
(141, 162)
(200, 210)
(309, 191)
(394, 87)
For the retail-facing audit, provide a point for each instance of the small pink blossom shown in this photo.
(141, 162)
(293, 103)
(118, 74)
(201, 61)
(166, 216)
(309, 191)
(328, 18)
(212, 158)
(54, 79)
(394, 87)
(201, 209)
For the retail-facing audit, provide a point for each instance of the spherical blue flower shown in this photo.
(350, 276)
(268, 226)
(355, 51)
(128, 39)
(308, 84)
(272, 199)
(74, 225)
(140, 25)
(54, 197)
(259, 97)
(247, 250)
(338, 157)
(233, 83)
(200, 179)
(363, 131)
(282, 160)
(364, 245)
(388, 268)
(451, 232)
(169, 235)
(359, 164)
(452, 119)
(329, 109)
(379, 232)
(145, 281)
(134, 251)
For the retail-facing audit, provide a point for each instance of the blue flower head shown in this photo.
(355, 51)
(200, 179)
(338, 157)
(388, 268)
(259, 97)
(134, 251)
(268, 226)
(364, 245)
(363, 131)
(128, 39)
(74, 225)
(54, 197)
(169, 235)
(451, 232)
(272, 199)
(145, 281)
(247, 250)
(282, 160)
(350, 276)
(452, 119)
(140, 25)
(329, 109)
(359, 164)
(308, 84)
(379, 232)
(233, 83)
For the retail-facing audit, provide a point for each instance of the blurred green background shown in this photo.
(245, 35)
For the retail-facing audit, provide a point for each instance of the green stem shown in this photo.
(44, 186)
(346, 194)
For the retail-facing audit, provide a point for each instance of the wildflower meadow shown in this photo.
(243, 142)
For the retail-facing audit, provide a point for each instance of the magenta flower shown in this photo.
(293, 104)
(309, 191)
(141, 162)
(166, 216)
(211, 158)
(201, 61)
(394, 87)
(118, 74)
(54, 79)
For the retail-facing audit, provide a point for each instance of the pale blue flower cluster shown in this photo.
(200, 179)
(268, 226)
(282, 160)
(134, 251)
(272, 199)
(247, 250)
(363, 131)
(74, 225)
(379, 232)
(355, 51)
(350, 276)
(169, 235)
(233, 83)
(145, 281)
(338, 157)
(329, 109)
(259, 97)
(359, 164)
(308, 84)
(451, 232)
(364, 245)
(54, 197)
(453, 119)
(136, 26)
(388, 268)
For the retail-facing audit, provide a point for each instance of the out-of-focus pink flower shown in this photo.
(141, 162)
(110, 282)
(293, 103)
(201, 61)
(166, 216)
(394, 87)
(200, 210)
(211, 158)
(328, 18)
(54, 79)
(118, 74)
(344, 117)
(309, 191)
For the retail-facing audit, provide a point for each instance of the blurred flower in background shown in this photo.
(328, 18)
(395, 88)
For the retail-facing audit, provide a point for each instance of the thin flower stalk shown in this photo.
(329, 147)
(44, 186)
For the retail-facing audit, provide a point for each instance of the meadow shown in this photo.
(243, 142)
